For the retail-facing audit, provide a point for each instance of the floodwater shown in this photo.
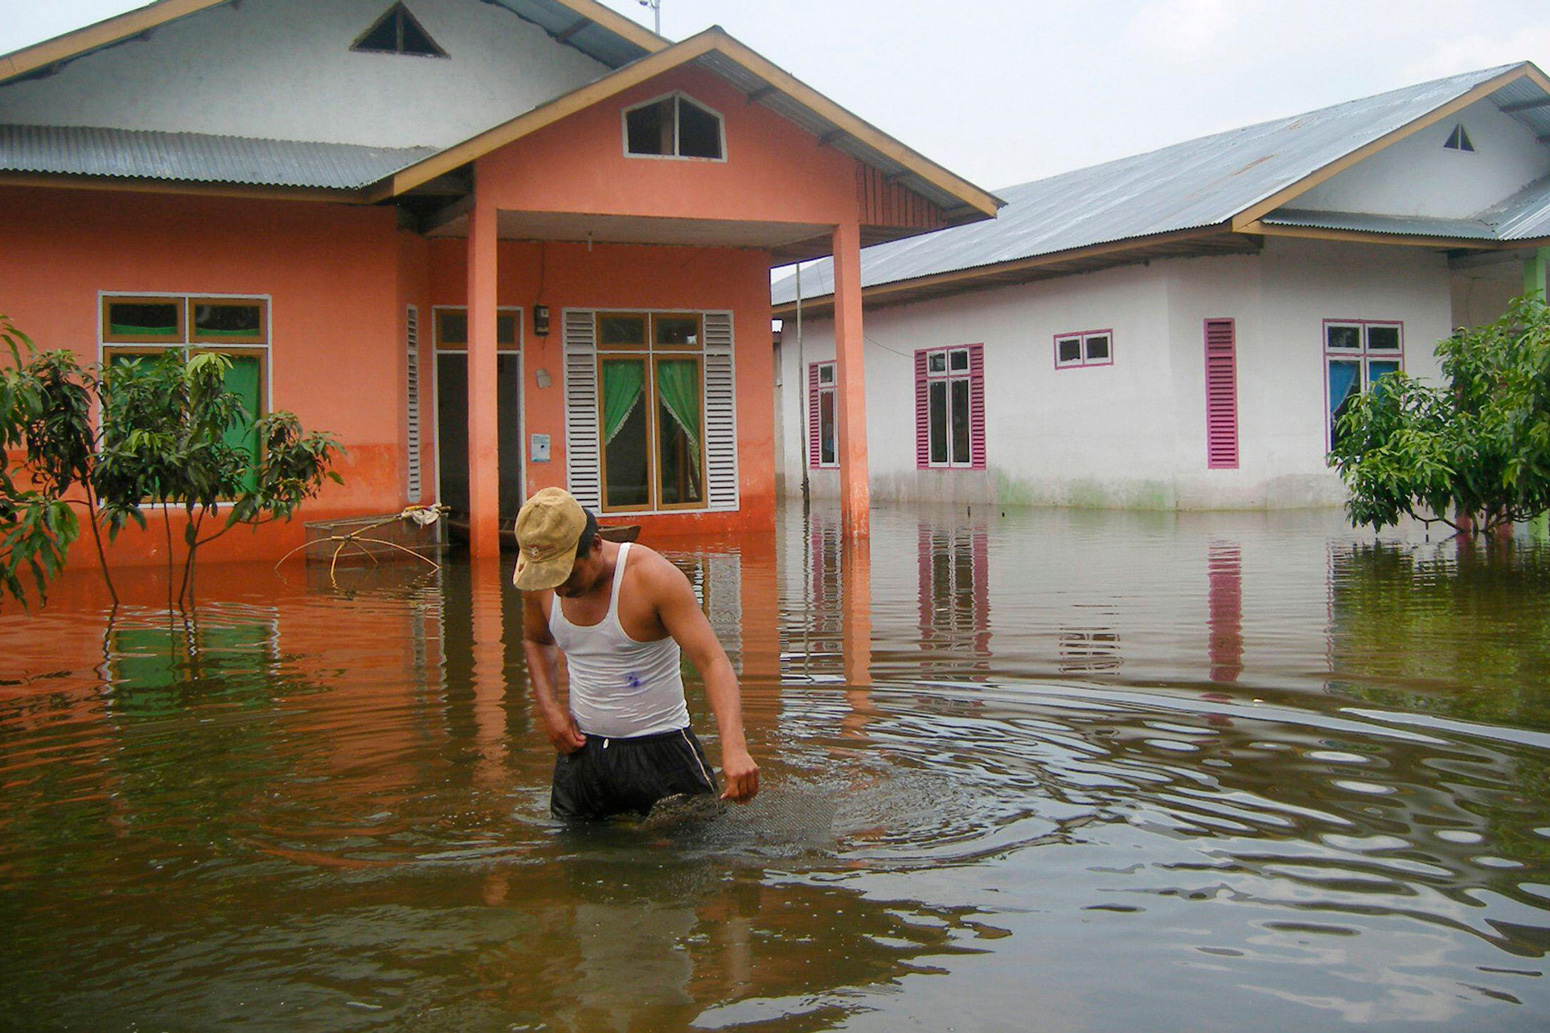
(1032, 770)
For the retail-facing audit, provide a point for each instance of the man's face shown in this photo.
(584, 574)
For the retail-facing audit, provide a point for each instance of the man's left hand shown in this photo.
(742, 776)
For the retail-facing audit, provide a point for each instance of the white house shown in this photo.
(1176, 329)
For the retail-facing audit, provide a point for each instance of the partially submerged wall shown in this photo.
(1132, 434)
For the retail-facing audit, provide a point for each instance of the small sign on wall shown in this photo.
(540, 449)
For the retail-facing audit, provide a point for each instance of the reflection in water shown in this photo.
(1225, 568)
(1274, 775)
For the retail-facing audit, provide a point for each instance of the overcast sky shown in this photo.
(1005, 91)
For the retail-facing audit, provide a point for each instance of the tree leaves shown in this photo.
(162, 439)
(1477, 449)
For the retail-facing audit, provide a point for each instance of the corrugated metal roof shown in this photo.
(1191, 185)
(1400, 225)
(1523, 216)
(593, 40)
(198, 157)
(805, 118)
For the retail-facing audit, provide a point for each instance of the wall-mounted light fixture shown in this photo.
(541, 320)
(541, 378)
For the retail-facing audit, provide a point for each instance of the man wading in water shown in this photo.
(619, 613)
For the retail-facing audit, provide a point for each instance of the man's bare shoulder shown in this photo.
(655, 571)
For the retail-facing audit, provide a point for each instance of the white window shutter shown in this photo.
(720, 412)
(583, 461)
(412, 368)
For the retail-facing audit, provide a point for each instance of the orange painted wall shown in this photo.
(332, 274)
(773, 171)
(341, 277)
(636, 277)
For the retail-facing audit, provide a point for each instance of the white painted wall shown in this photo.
(283, 69)
(1418, 176)
(1133, 434)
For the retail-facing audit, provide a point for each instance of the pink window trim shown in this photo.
(1221, 356)
(1361, 355)
(1084, 335)
(814, 417)
(976, 406)
(922, 414)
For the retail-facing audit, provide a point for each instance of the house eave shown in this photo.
(1194, 243)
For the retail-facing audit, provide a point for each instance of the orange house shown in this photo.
(492, 245)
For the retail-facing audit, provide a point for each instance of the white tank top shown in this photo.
(619, 687)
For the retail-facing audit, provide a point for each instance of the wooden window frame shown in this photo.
(651, 353)
(441, 347)
(649, 389)
(105, 332)
(109, 345)
(1083, 361)
(262, 354)
(678, 354)
(947, 376)
(677, 96)
(260, 338)
(1363, 355)
(645, 332)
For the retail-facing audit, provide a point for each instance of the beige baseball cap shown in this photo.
(548, 527)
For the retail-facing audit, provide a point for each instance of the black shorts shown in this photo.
(620, 776)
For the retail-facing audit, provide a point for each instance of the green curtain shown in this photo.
(623, 382)
(245, 381)
(678, 384)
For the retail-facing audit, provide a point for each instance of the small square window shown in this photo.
(958, 360)
(676, 331)
(142, 320)
(621, 330)
(1341, 337)
(1098, 348)
(230, 321)
(936, 362)
(1069, 349)
(452, 329)
(826, 374)
(1383, 338)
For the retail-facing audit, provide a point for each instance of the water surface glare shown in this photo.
(1053, 770)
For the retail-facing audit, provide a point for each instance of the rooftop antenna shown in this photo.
(656, 14)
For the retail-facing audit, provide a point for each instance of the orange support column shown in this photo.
(483, 415)
(850, 371)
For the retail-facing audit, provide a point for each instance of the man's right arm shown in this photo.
(543, 665)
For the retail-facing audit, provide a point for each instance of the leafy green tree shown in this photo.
(170, 434)
(1474, 454)
(37, 412)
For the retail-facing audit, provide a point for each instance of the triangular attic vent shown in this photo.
(1458, 140)
(398, 32)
